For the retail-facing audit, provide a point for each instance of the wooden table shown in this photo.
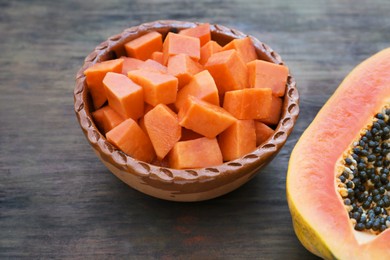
(57, 200)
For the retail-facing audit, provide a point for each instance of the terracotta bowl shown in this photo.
(171, 184)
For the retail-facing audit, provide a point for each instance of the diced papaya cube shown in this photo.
(130, 64)
(176, 43)
(183, 68)
(158, 87)
(276, 111)
(204, 118)
(163, 128)
(129, 137)
(201, 86)
(207, 50)
(124, 96)
(249, 103)
(153, 65)
(94, 77)
(197, 153)
(228, 70)
(187, 134)
(244, 47)
(263, 74)
(157, 56)
(143, 46)
(141, 121)
(201, 31)
(106, 119)
(237, 140)
(263, 132)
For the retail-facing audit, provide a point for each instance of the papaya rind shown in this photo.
(309, 238)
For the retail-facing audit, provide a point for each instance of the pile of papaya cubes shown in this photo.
(184, 101)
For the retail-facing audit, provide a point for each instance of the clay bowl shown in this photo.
(172, 184)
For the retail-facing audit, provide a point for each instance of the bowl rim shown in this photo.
(249, 162)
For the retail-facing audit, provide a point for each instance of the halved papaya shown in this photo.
(340, 161)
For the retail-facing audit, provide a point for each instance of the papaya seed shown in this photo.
(356, 216)
(380, 116)
(369, 224)
(359, 226)
(347, 202)
(348, 161)
(382, 228)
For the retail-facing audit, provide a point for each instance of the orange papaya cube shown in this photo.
(228, 70)
(106, 118)
(237, 140)
(202, 31)
(124, 96)
(263, 132)
(201, 86)
(249, 103)
(197, 153)
(183, 68)
(176, 43)
(158, 87)
(207, 50)
(129, 137)
(143, 46)
(153, 65)
(130, 64)
(141, 121)
(204, 118)
(163, 128)
(263, 74)
(276, 111)
(244, 48)
(187, 134)
(94, 77)
(157, 56)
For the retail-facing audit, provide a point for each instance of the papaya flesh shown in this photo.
(320, 217)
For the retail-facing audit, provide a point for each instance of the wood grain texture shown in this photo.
(57, 200)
